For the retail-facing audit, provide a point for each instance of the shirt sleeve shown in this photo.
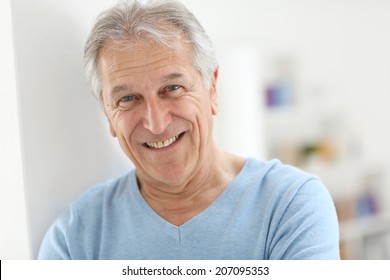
(308, 228)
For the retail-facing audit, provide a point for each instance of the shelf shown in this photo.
(365, 227)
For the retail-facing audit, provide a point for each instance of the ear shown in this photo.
(213, 92)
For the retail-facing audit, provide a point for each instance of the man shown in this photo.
(154, 70)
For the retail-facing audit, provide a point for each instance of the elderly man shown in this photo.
(154, 71)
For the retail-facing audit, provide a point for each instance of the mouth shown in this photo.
(163, 144)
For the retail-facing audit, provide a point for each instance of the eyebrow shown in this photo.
(171, 76)
(119, 88)
(165, 78)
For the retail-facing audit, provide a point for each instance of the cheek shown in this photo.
(127, 133)
(122, 124)
(205, 109)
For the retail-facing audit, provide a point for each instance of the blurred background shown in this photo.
(305, 81)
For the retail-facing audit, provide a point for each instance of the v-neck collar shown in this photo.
(179, 232)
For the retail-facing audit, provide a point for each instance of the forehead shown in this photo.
(138, 66)
(142, 55)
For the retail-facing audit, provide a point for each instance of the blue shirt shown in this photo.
(269, 211)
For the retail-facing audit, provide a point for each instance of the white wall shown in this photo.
(343, 48)
(14, 233)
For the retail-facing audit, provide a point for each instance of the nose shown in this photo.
(157, 117)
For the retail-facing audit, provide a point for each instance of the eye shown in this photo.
(126, 99)
(172, 91)
(126, 102)
(172, 88)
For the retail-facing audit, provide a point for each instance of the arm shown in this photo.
(308, 227)
(54, 245)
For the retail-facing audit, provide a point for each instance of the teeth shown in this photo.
(162, 144)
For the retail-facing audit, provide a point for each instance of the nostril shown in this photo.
(157, 123)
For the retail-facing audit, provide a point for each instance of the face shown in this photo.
(159, 109)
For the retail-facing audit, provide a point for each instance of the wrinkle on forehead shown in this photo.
(156, 53)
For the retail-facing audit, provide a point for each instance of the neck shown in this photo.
(179, 204)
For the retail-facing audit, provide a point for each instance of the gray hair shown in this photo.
(135, 20)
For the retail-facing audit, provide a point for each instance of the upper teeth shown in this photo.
(162, 144)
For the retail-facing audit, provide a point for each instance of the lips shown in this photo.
(162, 144)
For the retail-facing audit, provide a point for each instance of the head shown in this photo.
(154, 70)
(137, 20)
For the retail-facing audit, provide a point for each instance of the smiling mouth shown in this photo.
(163, 144)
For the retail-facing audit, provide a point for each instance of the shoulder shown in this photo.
(74, 233)
(295, 183)
(110, 191)
(103, 199)
(302, 217)
(274, 174)
(285, 190)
